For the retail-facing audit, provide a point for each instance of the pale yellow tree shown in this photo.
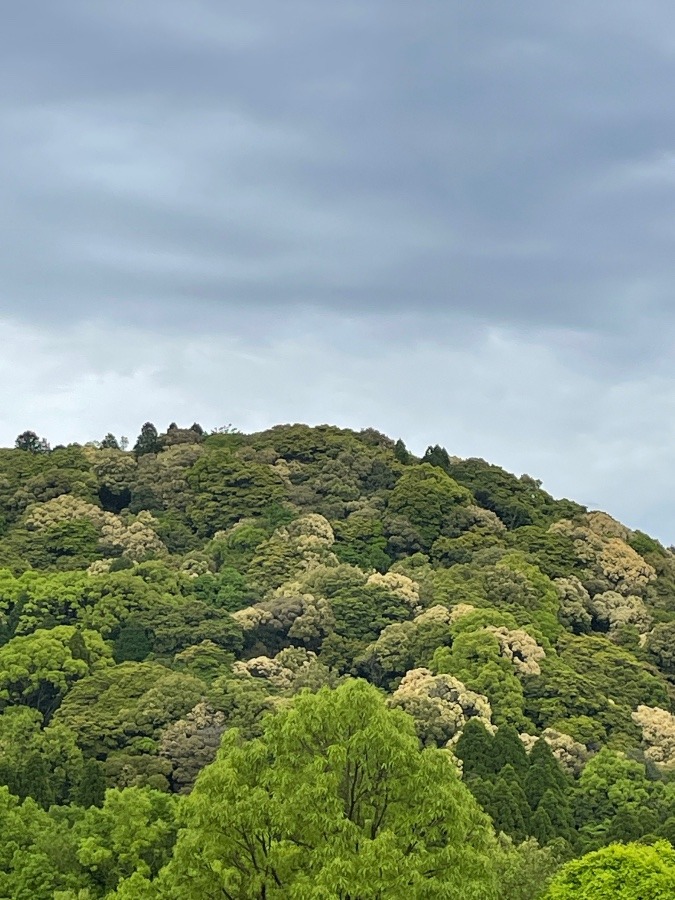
(400, 586)
(612, 564)
(520, 648)
(613, 610)
(440, 705)
(658, 735)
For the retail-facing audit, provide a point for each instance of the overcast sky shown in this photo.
(451, 221)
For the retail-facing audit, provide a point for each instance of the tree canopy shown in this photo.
(307, 663)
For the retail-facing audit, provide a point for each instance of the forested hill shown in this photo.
(427, 678)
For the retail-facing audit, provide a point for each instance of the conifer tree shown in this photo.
(31, 443)
(508, 750)
(437, 456)
(509, 808)
(559, 811)
(475, 749)
(541, 827)
(543, 774)
(401, 452)
(35, 781)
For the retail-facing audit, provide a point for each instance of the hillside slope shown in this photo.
(154, 600)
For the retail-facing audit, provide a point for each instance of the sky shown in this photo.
(453, 222)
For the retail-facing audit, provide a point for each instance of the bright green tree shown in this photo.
(38, 670)
(618, 872)
(133, 831)
(426, 495)
(334, 801)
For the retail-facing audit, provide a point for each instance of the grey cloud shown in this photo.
(375, 156)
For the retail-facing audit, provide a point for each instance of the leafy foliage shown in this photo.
(427, 678)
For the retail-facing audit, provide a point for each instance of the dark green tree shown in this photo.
(147, 441)
(508, 805)
(544, 774)
(559, 812)
(508, 750)
(401, 452)
(541, 827)
(90, 787)
(132, 642)
(35, 781)
(110, 442)
(437, 456)
(475, 749)
(31, 443)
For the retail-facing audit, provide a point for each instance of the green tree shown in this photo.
(559, 812)
(401, 452)
(609, 785)
(426, 496)
(39, 669)
(335, 800)
(508, 806)
(37, 782)
(437, 456)
(508, 750)
(25, 745)
(244, 701)
(36, 852)
(147, 441)
(31, 443)
(90, 787)
(360, 541)
(544, 774)
(541, 827)
(517, 501)
(525, 869)
(113, 707)
(618, 872)
(474, 748)
(661, 646)
(226, 489)
(476, 660)
(133, 831)
(64, 545)
(110, 442)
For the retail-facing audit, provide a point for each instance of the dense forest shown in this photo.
(305, 663)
